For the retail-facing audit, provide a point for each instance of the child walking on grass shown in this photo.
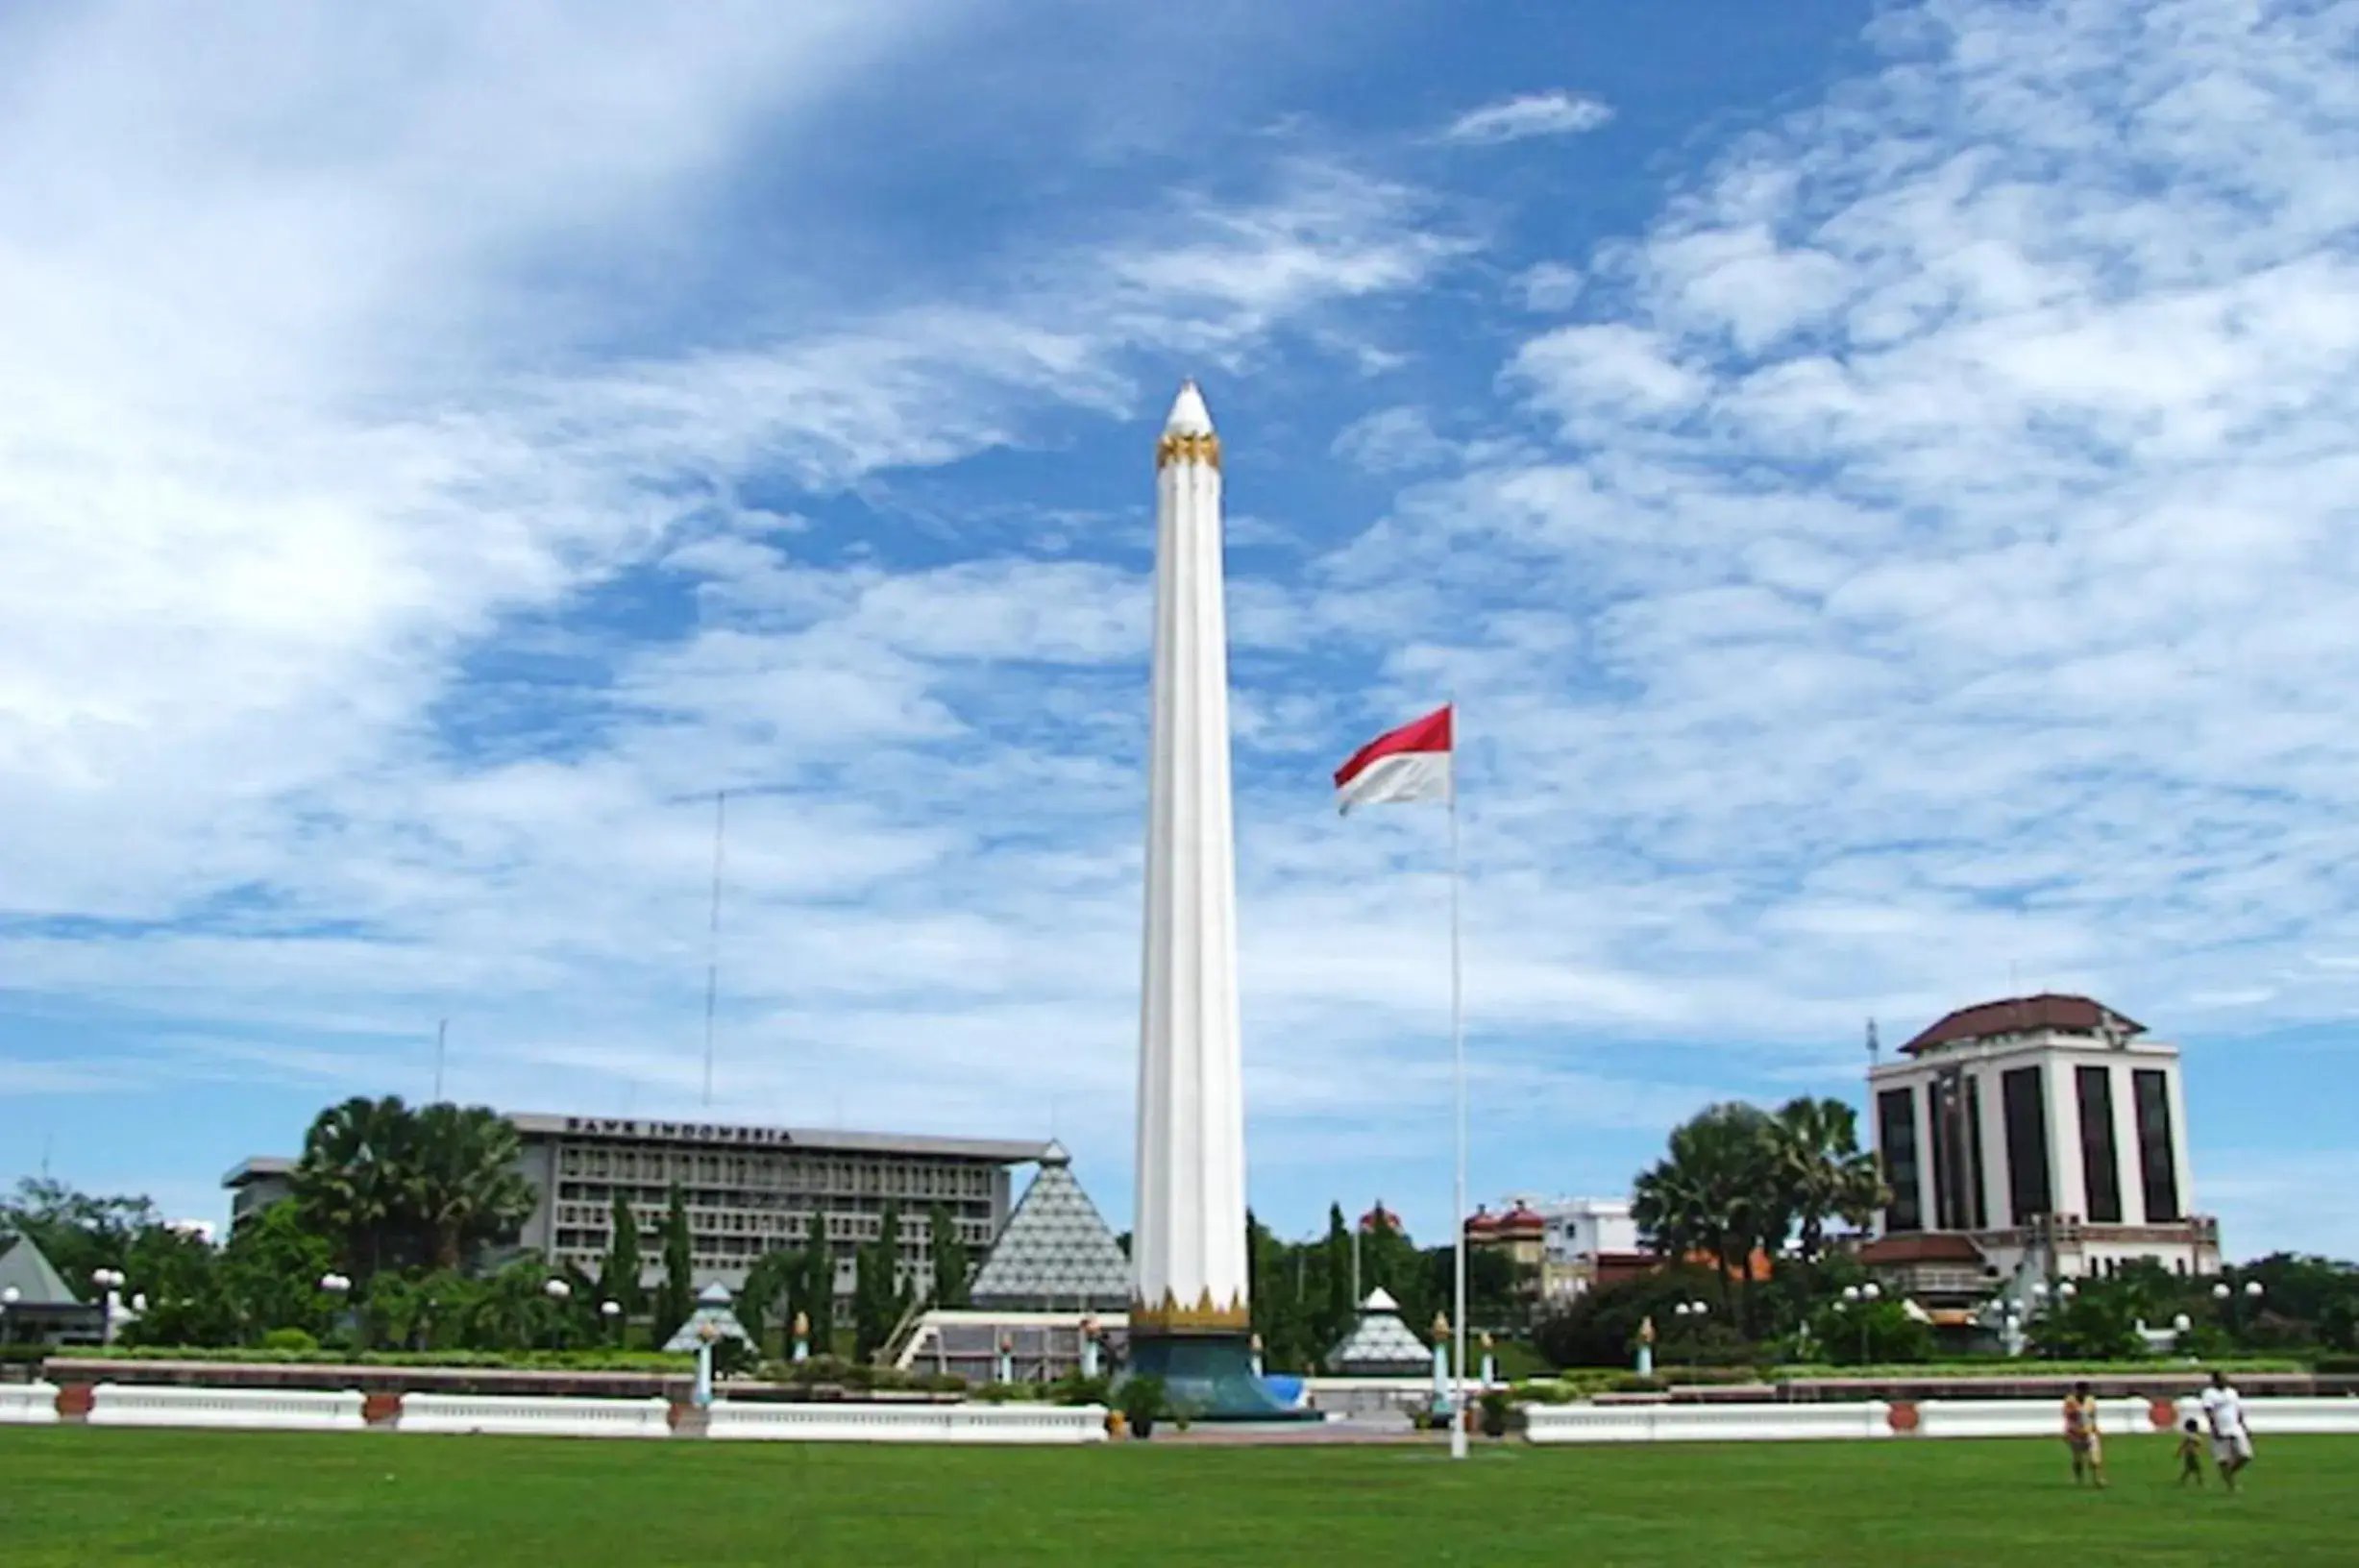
(2191, 1452)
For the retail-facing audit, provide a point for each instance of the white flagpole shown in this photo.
(1458, 1074)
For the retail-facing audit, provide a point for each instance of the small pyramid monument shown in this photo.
(1055, 1253)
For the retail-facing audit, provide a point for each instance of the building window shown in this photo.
(1896, 1122)
(2100, 1167)
(1957, 1153)
(2157, 1165)
(2023, 1101)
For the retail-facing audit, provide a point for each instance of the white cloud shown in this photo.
(1555, 113)
(1550, 287)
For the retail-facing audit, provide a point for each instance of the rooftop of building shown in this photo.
(26, 1269)
(1921, 1247)
(1003, 1151)
(257, 1168)
(2048, 1012)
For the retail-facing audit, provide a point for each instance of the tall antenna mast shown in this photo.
(1875, 1050)
(712, 965)
(442, 1030)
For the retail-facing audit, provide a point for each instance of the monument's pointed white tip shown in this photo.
(1188, 415)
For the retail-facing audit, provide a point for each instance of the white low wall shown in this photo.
(1704, 1423)
(275, 1410)
(536, 1416)
(2026, 1417)
(2265, 1417)
(849, 1423)
(28, 1403)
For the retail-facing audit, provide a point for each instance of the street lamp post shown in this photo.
(612, 1313)
(337, 1287)
(10, 1296)
(109, 1282)
(558, 1293)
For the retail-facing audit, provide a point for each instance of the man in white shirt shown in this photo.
(2231, 1443)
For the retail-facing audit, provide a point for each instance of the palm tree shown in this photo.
(463, 1184)
(1717, 1191)
(349, 1184)
(1824, 1172)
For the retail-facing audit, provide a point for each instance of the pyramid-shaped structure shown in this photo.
(38, 1284)
(1379, 1344)
(1056, 1253)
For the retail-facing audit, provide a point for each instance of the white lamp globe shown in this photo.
(1870, 1290)
(610, 1309)
(2068, 1289)
(1851, 1293)
(557, 1289)
(1700, 1307)
(2220, 1292)
(2252, 1289)
(2182, 1323)
(10, 1295)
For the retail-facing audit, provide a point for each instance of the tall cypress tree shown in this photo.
(950, 1255)
(876, 1295)
(815, 1297)
(1342, 1309)
(618, 1277)
(678, 1297)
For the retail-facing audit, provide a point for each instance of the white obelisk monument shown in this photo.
(1189, 1322)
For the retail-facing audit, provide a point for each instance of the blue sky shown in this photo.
(1878, 477)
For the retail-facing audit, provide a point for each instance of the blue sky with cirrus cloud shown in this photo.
(1877, 475)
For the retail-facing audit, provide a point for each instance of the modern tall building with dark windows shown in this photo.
(2043, 1135)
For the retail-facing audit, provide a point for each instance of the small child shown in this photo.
(2191, 1454)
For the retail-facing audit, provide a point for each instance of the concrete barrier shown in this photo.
(273, 1409)
(2026, 1417)
(28, 1403)
(851, 1423)
(2266, 1417)
(529, 1416)
(1704, 1423)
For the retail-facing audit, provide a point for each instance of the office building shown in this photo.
(2041, 1135)
(748, 1190)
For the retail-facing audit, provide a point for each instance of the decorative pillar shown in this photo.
(1007, 1359)
(1090, 1332)
(1189, 1322)
(1441, 1361)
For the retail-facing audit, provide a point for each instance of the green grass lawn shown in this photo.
(73, 1494)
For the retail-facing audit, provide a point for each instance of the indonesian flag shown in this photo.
(1411, 763)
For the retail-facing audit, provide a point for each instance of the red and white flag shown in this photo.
(1411, 763)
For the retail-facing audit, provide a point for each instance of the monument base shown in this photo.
(1210, 1377)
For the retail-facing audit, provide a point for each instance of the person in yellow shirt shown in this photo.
(2081, 1437)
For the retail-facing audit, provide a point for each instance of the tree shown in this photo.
(1342, 1309)
(876, 1295)
(270, 1273)
(463, 1184)
(1824, 1172)
(1719, 1192)
(769, 1294)
(1869, 1332)
(351, 1181)
(676, 1298)
(76, 1231)
(816, 1299)
(618, 1276)
(950, 1257)
(1600, 1328)
(181, 1276)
